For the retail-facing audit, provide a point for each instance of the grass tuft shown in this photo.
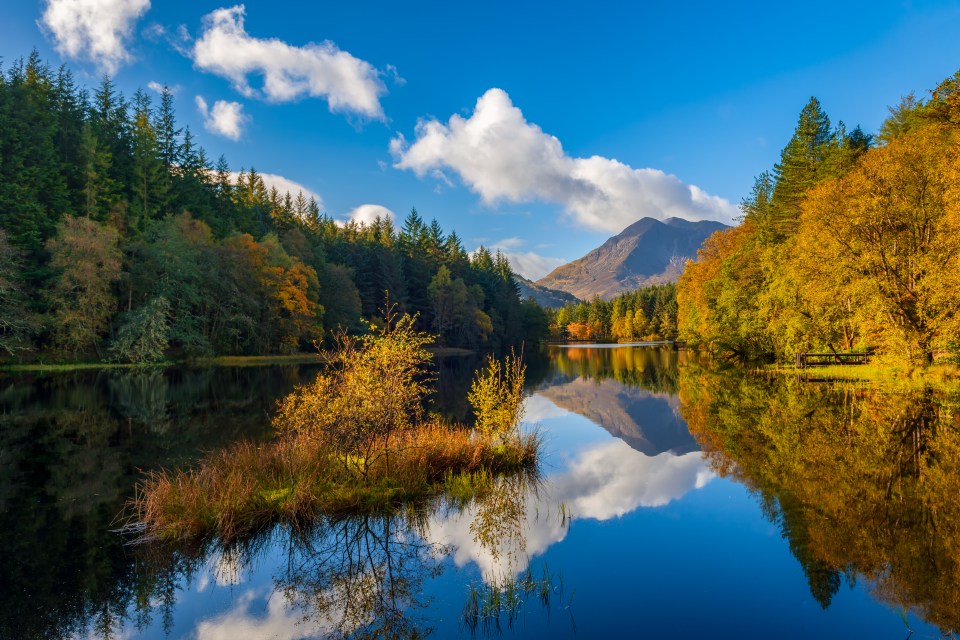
(241, 490)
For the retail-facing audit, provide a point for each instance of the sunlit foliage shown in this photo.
(844, 247)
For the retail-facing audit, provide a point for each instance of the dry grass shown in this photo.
(246, 487)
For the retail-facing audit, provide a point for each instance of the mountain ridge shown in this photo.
(647, 252)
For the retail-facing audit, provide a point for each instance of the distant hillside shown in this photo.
(544, 296)
(647, 252)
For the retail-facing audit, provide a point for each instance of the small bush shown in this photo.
(496, 396)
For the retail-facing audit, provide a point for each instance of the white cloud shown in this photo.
(529, 264)
(284, 185)
(349, 84)
(95, 30)
(501, 156)
(226, 119)
(368, 213)
(157, 87)
(532, 266)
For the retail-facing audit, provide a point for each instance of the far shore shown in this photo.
(216, 361)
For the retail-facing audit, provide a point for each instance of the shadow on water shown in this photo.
(862, 482)
(71, 448)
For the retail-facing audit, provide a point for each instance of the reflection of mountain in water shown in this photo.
(648, 422)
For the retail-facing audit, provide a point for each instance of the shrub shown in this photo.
(496, 396)
(373, 393)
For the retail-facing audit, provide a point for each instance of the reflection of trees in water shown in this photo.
(362, 577)
(73, 445)
(651, 369)
(141, 396)
(70, 453)
(863, 482)
(454, 374)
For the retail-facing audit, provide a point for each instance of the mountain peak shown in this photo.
(649, 251)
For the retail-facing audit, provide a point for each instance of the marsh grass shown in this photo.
(492, 606)
(247, 487)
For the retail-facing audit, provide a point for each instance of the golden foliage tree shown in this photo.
(86, 255)
(891, 229)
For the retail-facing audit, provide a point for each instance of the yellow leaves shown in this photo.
(496, 396)
(887, 235)
(872, 263)
(86, 255)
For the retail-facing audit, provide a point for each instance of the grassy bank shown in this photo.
(216, 361)
(240, 490)
(937, 374)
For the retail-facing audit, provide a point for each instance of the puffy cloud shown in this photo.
(226, 119)
(528, 264)
(322, 70)
(532, 266)
(368, 213)
(157, 87)
(501, 156)
(95, 30)
(284, 185)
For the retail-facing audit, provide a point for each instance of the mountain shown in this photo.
(543, 296)
(647, 252)
(648, 422)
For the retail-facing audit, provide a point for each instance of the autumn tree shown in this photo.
(85, 256)
(894, 222)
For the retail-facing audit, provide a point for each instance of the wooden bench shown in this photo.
(805, 360)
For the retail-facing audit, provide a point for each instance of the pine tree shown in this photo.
(800, 165)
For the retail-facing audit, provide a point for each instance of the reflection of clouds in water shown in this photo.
(613, 479)
(602, 482)
(538, 408)
(226, 569)
(279, 622)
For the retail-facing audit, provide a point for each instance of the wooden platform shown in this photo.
(805, 360)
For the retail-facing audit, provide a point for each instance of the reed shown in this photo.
(242, 489)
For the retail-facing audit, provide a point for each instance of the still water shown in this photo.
(676, 500)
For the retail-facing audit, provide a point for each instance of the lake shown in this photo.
(677, 499)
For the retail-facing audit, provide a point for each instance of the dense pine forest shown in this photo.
(851, 243)
(649, 313)
(121, 239)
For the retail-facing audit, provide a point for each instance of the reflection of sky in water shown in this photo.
(600, 478)
(650, 542)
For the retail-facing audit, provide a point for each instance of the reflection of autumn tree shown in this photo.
(643, 367)
(500, 519)
(861, 481)
(362, 577)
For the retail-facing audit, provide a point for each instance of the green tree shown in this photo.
(16, 324)
(143, 334)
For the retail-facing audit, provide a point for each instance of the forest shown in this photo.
(121, 240)
(649, 313)
(850, 243)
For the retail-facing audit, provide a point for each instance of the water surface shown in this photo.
(675, 501)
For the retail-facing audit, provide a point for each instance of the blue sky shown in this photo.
(544, 127)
